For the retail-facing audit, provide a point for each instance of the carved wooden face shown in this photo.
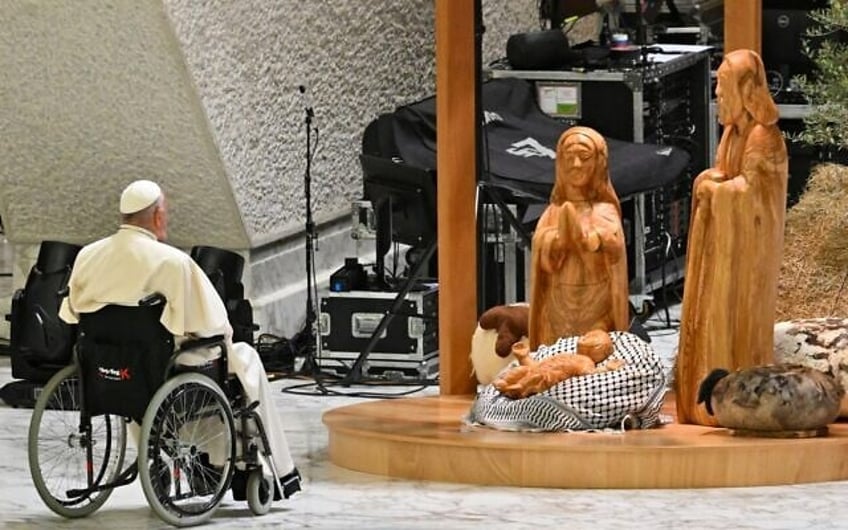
(728, 95)
(580, 160)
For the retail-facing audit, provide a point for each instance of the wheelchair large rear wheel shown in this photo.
(187, 449)
(58, 450)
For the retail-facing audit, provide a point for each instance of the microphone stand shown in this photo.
(310, 365)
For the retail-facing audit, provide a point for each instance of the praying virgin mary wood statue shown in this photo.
(579, 268)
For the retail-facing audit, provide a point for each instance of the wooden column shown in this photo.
(743, 25)
(455, 76)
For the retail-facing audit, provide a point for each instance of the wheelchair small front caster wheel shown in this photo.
(260, 492)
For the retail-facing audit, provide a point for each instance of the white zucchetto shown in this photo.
(139, 195)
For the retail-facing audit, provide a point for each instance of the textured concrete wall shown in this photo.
(94, 94)
(203, 96)
(356, 59)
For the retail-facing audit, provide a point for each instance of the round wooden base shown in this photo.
(426, 439)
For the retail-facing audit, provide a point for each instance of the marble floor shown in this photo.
(337, 498)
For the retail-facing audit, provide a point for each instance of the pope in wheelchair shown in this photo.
(155, 347)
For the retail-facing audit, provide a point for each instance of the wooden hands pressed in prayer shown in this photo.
(579, 267)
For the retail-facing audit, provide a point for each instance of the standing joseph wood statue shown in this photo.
(735, 238)
(579, 268)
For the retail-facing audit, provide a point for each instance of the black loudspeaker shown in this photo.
(224, 269)
(785, 23)
(40, 342)
(539, 50)
(783, 31)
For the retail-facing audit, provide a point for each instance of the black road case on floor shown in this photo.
(408, 348)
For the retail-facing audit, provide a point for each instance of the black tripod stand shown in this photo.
(307, 336)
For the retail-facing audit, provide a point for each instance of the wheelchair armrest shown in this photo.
(203, 342)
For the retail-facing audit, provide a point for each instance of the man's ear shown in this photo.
(159, 223)
(160, 214)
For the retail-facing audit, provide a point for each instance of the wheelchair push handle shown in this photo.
(149, 300)
(152, 299)
(202, 342)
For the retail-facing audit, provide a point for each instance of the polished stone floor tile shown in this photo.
(335, 498)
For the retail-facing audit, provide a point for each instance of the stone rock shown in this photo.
(777, 397)
(820, 343)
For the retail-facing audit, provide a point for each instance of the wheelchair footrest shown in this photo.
(291, 484)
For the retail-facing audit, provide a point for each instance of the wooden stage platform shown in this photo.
(426, 439)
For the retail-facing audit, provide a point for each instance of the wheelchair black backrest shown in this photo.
(124, 353)
(40, 342)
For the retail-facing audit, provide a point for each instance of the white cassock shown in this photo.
(131, 264)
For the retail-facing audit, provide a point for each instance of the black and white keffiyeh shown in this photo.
(630, 396)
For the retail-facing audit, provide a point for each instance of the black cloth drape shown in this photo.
(520, 144)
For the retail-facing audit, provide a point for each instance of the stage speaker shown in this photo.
(539, 50)
(41, 342)
(224, 269)
(785, 24)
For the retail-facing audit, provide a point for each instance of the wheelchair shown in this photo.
(196, 426)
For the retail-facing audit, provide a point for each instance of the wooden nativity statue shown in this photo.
(532, 377)
(579, 269)
(735, 238)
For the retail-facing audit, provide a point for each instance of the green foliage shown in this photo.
(827, 90)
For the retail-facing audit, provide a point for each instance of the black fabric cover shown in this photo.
(513, 116)
(40, 342)
(224, 269)
(124, 352)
